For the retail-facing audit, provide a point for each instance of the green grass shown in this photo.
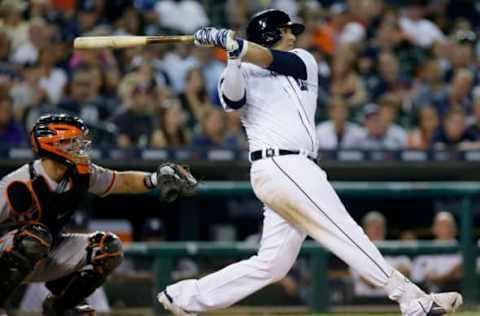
(459, 314)
(335, 314)
(359, 314)
(473, 311)
(371, 314)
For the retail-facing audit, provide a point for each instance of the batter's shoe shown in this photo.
(433, 304)
(79, 310)
(167, 302)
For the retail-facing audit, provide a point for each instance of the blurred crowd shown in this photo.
(393, 74)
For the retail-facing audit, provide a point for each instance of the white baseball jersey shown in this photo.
(280, 110)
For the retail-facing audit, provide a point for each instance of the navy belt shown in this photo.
(270, 152)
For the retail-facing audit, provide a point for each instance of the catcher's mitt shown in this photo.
(174, 180)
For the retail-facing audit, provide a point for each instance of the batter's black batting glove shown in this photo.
(172, 181)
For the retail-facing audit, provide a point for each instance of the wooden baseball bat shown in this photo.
(94, 42)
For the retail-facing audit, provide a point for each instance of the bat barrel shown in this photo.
(94, 42)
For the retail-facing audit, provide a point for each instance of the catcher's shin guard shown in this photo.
(30, 244)
(104, 254)
(79, 310)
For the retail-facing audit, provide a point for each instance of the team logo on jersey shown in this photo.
(302, 84)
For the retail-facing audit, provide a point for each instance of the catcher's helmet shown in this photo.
(61, 137)
(264, 27)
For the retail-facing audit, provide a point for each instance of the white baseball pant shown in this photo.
(298, 201)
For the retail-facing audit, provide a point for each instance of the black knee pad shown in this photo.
(104, 252)
(33, 241)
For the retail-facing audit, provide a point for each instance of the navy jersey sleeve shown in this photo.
(297, 63)
(288, 64)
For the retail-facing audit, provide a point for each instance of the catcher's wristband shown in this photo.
(150, 180)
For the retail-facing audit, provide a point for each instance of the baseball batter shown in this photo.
(274, 86)
(38, 199)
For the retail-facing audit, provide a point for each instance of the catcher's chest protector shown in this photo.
(56, 207)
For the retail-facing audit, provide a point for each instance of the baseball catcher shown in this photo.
(39, 198)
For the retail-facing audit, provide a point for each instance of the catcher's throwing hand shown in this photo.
(210, 36)
(173, 181)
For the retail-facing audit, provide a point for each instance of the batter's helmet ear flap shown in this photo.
(264, 27)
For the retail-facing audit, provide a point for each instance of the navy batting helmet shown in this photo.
(264, 27)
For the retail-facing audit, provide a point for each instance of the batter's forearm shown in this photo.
(130, 182)
(284, 63)
(258, 55)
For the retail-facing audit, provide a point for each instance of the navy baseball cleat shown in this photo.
(167, 302)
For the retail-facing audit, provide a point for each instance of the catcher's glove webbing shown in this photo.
(173, 181)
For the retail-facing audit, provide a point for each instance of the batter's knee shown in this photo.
(33, 241)
(278, 273)
(275, 270)
(104, 251)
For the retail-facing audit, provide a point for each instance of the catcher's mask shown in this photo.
(264, 27)
(63, 138)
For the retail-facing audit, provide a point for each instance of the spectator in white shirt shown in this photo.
(27, 93)
(337, 132)
(185, 16)
(12, 22)
(177, 63)
(350, 32)
(440, 272)
(421, 31)
(54, 79)
(39, 37)
(378, 133)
